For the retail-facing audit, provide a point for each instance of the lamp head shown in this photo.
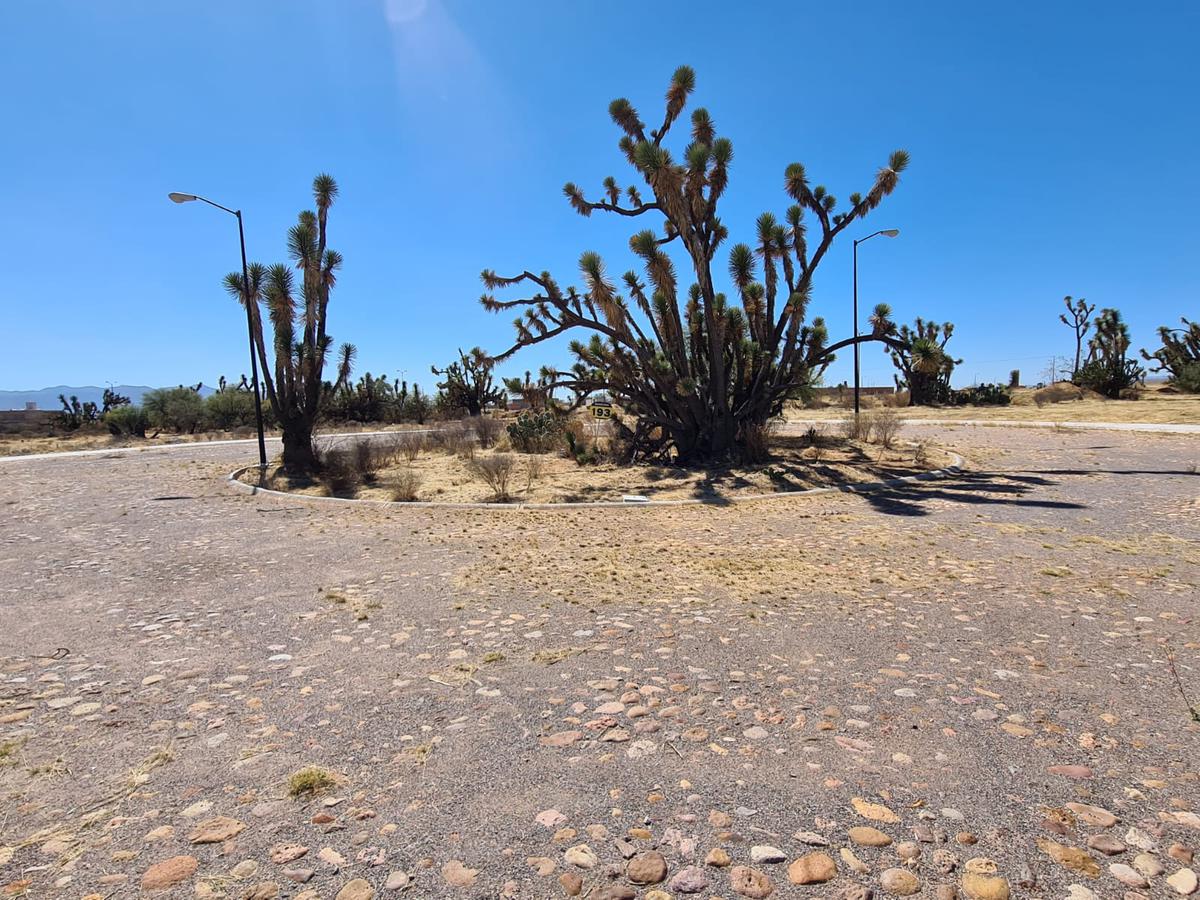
(181, 198)
(890, 232)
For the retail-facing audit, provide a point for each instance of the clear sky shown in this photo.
(1054, 151)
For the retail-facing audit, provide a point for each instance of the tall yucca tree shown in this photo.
(298, 315)
(697, 371)
(346, 354)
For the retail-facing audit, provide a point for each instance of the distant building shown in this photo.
(30, 406)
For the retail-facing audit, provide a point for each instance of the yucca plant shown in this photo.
(467, 382)
(1179, 355)
(924, 367)
(298, 315)
(699, 373)
(1108, 369)
(1079, 321)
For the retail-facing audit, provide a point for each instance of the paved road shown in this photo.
(950, 663)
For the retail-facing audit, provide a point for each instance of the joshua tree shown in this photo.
(1108, 369)
(1179, 354)
(346, 354)
(1080, 320)
(301, 343)
(925, 366)
(538, 394)
(468, 383)
(74, 414)
(111, 400)
(697, 373)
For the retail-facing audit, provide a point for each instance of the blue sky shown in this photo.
(1053, 146)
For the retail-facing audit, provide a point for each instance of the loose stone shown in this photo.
(581, 855)
(1127, 875)
(1106, 844)
(691, 880)
(169, 872)
(216, 830)
(812, 868)
(750, 882)
(764, 853)
(1148, 865)
(358, 889)
(865, 836)
(717, 857)
(900, 882)
(647, 868)
(572, 883)
(1183, 882)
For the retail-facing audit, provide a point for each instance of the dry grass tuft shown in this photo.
(405, 485)
(310, 781)
(495, 471)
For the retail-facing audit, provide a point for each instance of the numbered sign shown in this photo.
(601, 410)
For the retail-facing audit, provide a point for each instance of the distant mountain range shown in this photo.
(47, 398)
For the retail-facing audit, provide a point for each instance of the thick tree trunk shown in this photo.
(299, 457)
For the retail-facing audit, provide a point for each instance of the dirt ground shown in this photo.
(1154, 406)
(984, 686)
(797, 463)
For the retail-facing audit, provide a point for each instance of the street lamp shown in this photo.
(886, 232)
(187, 198)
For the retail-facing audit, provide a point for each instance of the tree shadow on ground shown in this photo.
(978, 488)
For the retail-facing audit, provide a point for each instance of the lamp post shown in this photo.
(886, 232)
(187, 198)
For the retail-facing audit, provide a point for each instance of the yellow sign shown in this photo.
(601, 411)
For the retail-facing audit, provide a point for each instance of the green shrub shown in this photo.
(1111, 377)
(130, 421)
(982, 395)
(1188, 379)
(178, 409)
(229, 409)
(535, 432)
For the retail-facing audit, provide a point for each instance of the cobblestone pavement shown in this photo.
(975, 687)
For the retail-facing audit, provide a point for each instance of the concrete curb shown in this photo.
(191, 445)
(1154, 427)
(955, 468)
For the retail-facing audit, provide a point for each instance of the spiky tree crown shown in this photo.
(298, 323)
(688, 363)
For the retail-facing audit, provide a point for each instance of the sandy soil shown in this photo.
(1154, 406)
(554, 478)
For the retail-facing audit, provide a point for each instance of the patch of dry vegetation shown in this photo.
(310, 781)
(451, 467)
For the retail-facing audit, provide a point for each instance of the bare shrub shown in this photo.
(856, 428)
(495, 471)
(365, 458)
(339, 470)
(898, 400)
(921, 455)
(487, 430)
(756, 441)
(405, 485)
(458, 438)
(410, 444)
(813, 435)
(886, 424)
(534, 466)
